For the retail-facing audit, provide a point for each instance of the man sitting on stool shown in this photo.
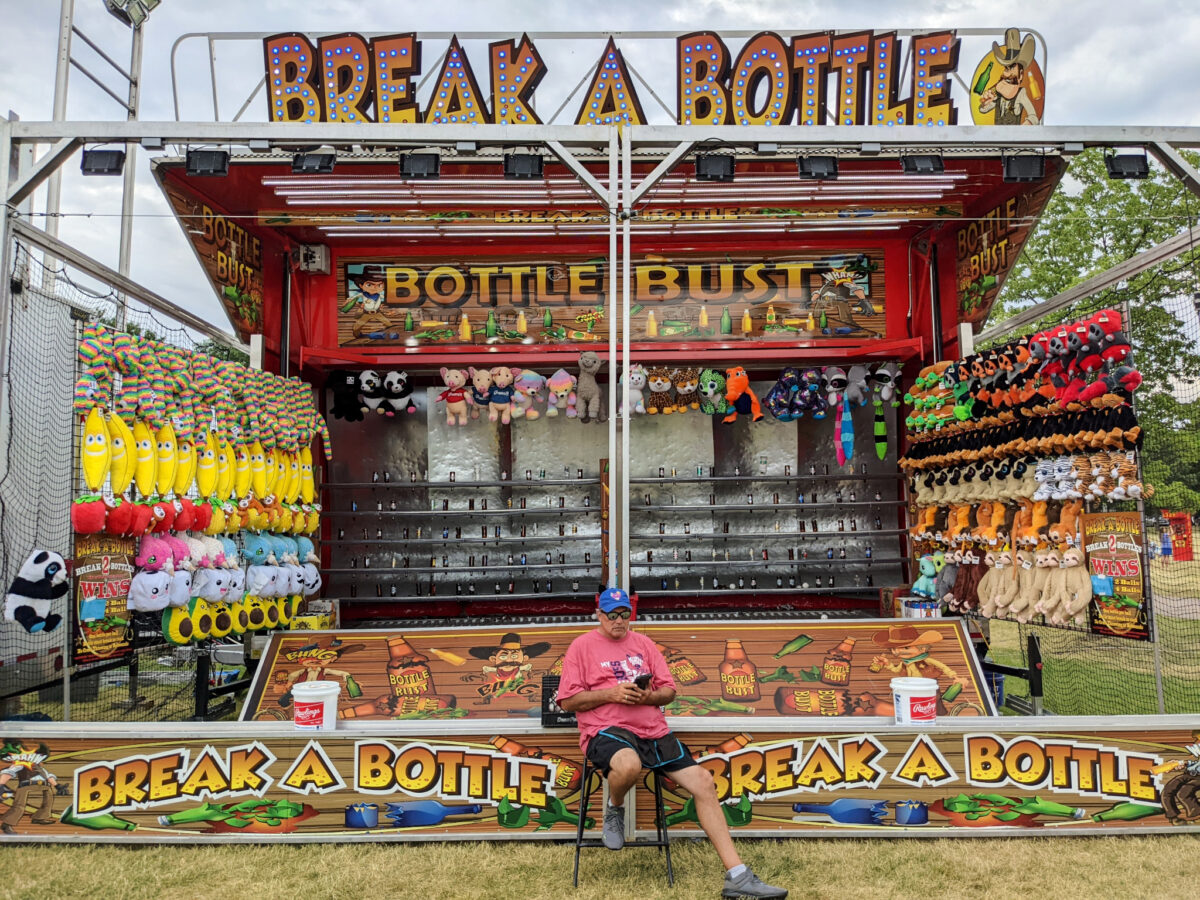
(623, 730)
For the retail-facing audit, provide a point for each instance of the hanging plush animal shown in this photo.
(808, 398)
(712, 393)
(151, 591)
(885, 383)
(41, 580)
(834, 382)
(634, 384)
(455, 395)
(502, 394)
(561, 394)
(527, 394)
(480, 395)
(926, 584)
(399, 392)
(370, 387)
(738, 396)
(588, 389)
(780, 397)
(685, 381)
(658, 379)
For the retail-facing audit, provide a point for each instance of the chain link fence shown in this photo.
(39, 478)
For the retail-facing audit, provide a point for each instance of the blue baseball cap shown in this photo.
(613, 598)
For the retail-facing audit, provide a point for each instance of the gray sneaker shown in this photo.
(749, 885)
(614, 828)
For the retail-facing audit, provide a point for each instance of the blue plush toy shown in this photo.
(808, 397)
(926, 584)
(779, 399)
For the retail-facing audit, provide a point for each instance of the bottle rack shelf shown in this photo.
(822, 563)
(752, 507)
(450, 569)
(432, 513)
(439, 485)
(706, 479)
(765, 535)
(442, 541)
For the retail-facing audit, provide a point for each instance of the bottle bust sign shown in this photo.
(408, 670)
(739, 676)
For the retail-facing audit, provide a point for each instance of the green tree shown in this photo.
(1091, 224)
(216, 350)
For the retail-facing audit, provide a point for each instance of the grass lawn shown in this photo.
(1159, 867)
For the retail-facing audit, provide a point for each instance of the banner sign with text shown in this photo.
(1116, 560)
(489, 301)
(243, 784)
(103, 570)
(815, 78)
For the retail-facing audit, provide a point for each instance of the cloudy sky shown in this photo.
(1103, 70)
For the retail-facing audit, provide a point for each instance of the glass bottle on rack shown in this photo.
(739, 676)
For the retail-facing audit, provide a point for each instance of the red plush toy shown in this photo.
(185, 514)
(204, 515)
(143, 518)
(164, 517)
(120, 518)
(1077, 350)
(87, 515)
(739, 396)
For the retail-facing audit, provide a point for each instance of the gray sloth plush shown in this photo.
(41, 581)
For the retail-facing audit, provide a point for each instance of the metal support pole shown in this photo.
(1036, 692)
(62, 73)
(616, 415)
(935, 303)
(6, 162)
(130, 173)
(285, 345)
(626, 135)
(203, 666)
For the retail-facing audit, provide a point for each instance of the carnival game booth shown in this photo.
(781, 316)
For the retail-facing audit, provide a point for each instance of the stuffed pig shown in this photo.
(455, 395)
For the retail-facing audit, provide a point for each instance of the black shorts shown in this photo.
(665, 754)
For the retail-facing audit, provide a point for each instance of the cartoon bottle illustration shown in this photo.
(567, 775)
(1126, 812)
(408, 670)
(726, 322)
(464, 329)
(490, 328)
(683, 670)
(984, 77)
(418, 813)
(703, 317)
(408, 321)
(522, 325)
(809, 324)
(205, 812)
(799, 642)
(96, 823)
(770, 314)
(651, 325)
(556, 667)
(548, 319)
(747, 322)
(739, 676)
(836, 667)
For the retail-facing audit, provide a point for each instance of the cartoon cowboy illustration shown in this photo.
(34, 786)
(1009, 97)
(843, 297)
(508, 664)
(906, 652)
(312, 661)
(365, 289)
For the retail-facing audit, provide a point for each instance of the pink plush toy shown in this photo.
(455, 395)
(527, 394)
(561, 387)
(480, 397)
(153, 554)
(502, 393)
(179, 551)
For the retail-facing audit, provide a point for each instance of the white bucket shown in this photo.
(915, 700)
(314, 705)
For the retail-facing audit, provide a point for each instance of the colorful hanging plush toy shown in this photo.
(780, 397)
(527, 394)
(833, 382)
(634, 384)
(41, 580)
(738, 396)
(561, 394)
(455, 395)
(712, 393)
(685, 381)
(658, 380)
(885, 383)
(808, 398)
(480, 396)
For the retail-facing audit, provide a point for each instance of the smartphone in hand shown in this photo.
(643, 681)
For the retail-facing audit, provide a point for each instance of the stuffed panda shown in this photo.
(41, 580)
(370, 386)
(399, 392)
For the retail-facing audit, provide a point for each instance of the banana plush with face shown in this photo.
(241, 471)
(145, 471)
(206, 466)
(258, 470)
(167, 459)
(124, 455)
(95, 452)
(185, 467)
(225, 471)
(307, 484)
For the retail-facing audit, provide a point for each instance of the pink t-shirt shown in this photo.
(594, 661)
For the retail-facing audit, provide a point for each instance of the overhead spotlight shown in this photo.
(923, 164)
(714, 167)
(1127, 165)
(421, 165)
(208, 162)
(102, 162)
(522, 165)
(817, 168)
(314, 162)
(1024, 168)
(132, 12)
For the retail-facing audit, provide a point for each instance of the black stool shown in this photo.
(661, 840)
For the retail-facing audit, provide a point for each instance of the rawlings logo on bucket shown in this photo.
(309, 715)
(923, 709)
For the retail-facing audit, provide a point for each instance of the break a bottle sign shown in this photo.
(1115, 558)
(772, 79)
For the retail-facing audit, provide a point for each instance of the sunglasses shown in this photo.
(623, 613)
